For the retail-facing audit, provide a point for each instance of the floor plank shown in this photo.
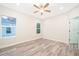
(39, 47)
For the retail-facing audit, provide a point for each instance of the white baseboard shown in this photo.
(57, 40)
(16, 43)
(27, 41)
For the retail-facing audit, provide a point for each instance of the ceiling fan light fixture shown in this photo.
(42, 8)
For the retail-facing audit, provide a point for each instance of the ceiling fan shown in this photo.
(42, 8)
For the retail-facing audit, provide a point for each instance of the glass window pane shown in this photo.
(38, 25)
(38, 31)
(8, 31)
(8, 21)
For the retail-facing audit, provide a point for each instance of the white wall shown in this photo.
(57, 28)
(73, 13)
(25, 27)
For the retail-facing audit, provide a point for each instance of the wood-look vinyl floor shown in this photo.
(39, 47)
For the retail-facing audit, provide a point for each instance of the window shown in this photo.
(38, 28)
(7, 26)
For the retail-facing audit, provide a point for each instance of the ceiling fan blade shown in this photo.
(46, 5)
(36, 6)
(47, 11)
(36, 11)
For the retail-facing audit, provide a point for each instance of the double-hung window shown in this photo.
(38, 28)
(7, 26)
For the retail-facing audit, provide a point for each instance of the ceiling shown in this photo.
(28, 8)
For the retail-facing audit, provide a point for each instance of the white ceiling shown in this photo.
(28, 8)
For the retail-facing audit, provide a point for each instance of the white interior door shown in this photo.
(74, 30)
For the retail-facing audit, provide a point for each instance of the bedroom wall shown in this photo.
(56, 28)
(25, 28)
